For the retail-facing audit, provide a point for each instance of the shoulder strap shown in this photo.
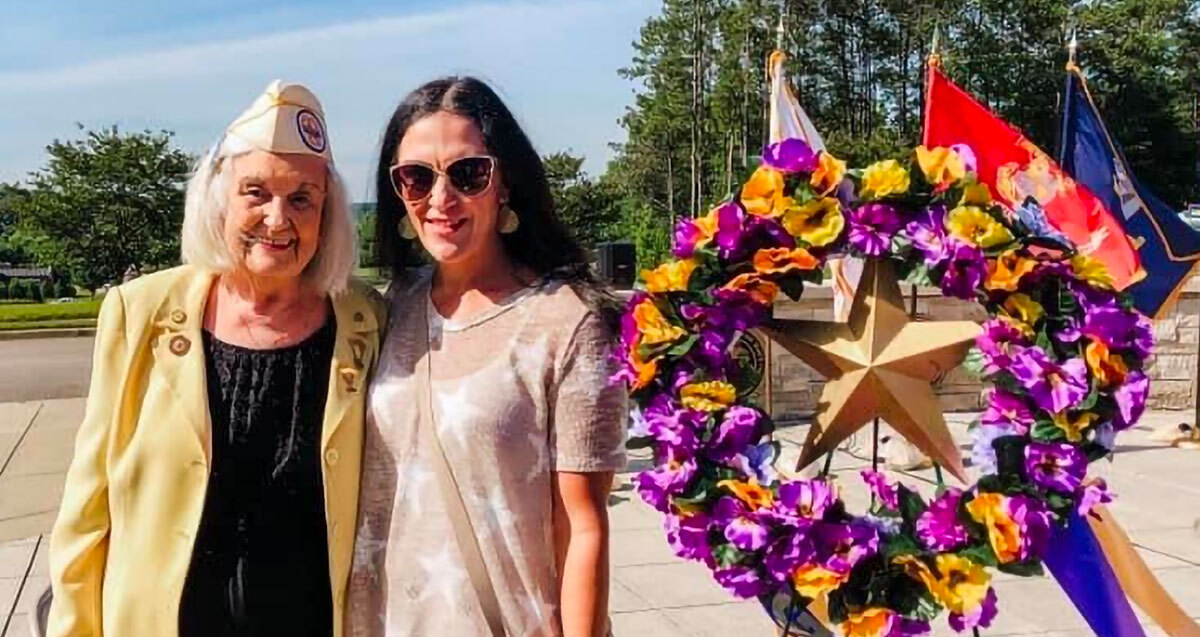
(464, 533)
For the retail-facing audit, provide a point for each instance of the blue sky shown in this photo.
(191, 67)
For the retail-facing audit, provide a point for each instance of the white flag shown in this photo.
(788, 119)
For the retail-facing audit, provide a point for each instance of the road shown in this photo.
(39, 369)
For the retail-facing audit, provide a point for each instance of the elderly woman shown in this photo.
(214, 486)
(493, 432)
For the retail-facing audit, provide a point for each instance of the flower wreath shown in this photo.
(1062, 354)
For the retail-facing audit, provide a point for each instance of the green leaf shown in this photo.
(1022, 569)
(792, 286)
(684, 346)
(1044, 430)
(980, 554)
(1089, 401)
(727, 555)
(911, 505)
(642, 442)
(973, 362)
(900, 544)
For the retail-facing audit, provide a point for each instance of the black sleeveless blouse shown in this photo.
(260, 565)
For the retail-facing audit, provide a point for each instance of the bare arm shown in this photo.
(581, 551)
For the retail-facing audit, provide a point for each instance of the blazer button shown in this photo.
(178, 316)
(180, 345)
(358, 317)
(331, 457)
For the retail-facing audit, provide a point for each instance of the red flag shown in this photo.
(1014, 168)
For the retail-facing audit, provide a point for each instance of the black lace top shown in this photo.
(260, 565)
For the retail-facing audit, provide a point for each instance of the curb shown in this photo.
(54, 332)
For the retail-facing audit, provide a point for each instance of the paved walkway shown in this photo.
(653, 593)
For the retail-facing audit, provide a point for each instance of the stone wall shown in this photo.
(795, 388)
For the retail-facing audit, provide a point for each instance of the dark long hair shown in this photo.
(541, 243)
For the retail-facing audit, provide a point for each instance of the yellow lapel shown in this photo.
(175, 341)
(353, 353)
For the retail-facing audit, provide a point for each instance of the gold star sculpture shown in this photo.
(880, 363)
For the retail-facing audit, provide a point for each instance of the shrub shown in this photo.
(35, 291)
(16, 289)
(49, 290)
(3, 291)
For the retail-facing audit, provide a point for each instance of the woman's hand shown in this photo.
(581, 550)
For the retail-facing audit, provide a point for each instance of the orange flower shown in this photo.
(1006, 271)
(760, 289)
(872, 622)
(811, 580)
(1108, 368)
(828, 175)
(646, 370)
(775, 260)
(762, 194)
(989, 509)
(653, 326)
(753, 495)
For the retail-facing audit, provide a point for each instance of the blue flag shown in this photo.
(1167, 246)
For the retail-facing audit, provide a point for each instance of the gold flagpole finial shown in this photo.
(1072, 48)
(935, 55)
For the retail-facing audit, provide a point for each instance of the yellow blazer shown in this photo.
(122, 544)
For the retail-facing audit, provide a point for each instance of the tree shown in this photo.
(106, 203)
(13, 249)
(589, 208)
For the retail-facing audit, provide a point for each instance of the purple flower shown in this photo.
(1054, 387)
(1119, 329)
(980, 617)
(757, 462)
(803, 500)
(983, 454)
(928, 234)
(712, 352)
(687, 235)
(732, 313)
(737, 430)
(744, 582)
(788, 553)
(965, 269)
(938, 527)
(1090, 495)
(739, 234)
(742, 527)
(1131, 400)
(657, 485)
(841, 546)
(1034, 520)
(872, 227)
(883, 525)
(1005, 409)
(886, 493)
(1104, 435)
(1057, 466)
(999, 343)
(910, 628)
(688, 536)
(790, 156)
(1090, 299)
(967, 155)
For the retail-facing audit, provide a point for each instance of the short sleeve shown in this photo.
(587, 421)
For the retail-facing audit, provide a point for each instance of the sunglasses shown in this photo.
(470, 176)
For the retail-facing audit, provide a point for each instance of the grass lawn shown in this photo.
(7, 326)
(43, 314)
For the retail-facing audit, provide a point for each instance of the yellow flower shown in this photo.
(646, 370)
(1006, 271)
(989, 509)
(1108, 368)
(669, 277)
(711, 395)
(1092, 270)
(1023, 312)
(653, 326)
(1073, 428)
(976, 227)
(818, 222)
(976, 194)
(942, 166)
(884, 178)
(751, 493)
(872, 622)
(812, 581)
(760, 290)
(762, 194)
(960, 584)
(775, 260)
(828, 175)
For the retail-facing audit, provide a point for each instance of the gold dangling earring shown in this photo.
(509, 221)
(406, 229)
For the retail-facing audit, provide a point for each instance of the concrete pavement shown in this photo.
(654, 594)
(44, 368)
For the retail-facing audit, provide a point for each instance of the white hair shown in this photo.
(203, 237)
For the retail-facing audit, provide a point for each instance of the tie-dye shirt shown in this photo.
(519, 392)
